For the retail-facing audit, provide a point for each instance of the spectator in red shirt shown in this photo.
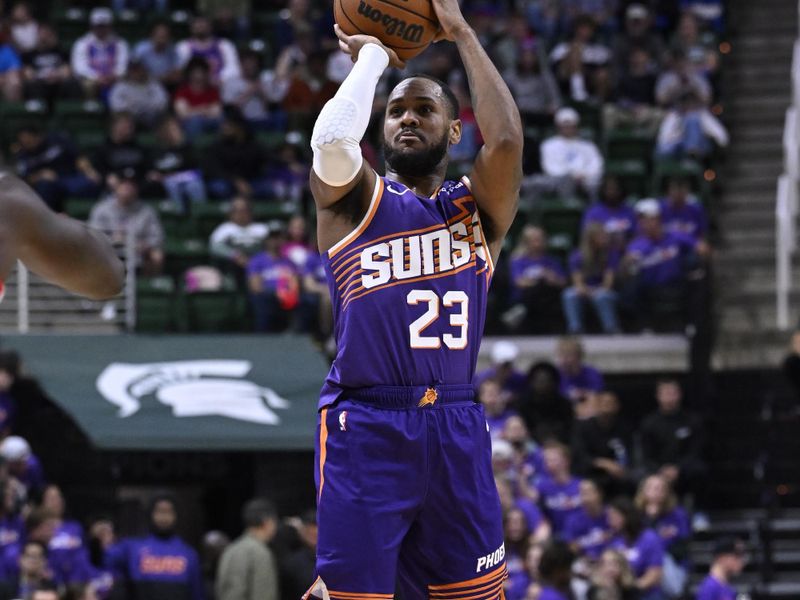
(197, 102)
(309, 89)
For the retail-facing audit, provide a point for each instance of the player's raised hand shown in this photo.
(352, 44)
(450, 18)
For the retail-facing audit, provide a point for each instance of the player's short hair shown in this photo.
(453, 105)
(257, 511)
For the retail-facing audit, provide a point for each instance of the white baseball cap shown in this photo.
(15, 448)
(648, 207)
(637, 11)
(502, 450)
(567, 115)
(504, 351)
(101, 16)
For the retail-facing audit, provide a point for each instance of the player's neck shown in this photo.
(425, 186)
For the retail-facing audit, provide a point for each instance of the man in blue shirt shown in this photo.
(729, 561)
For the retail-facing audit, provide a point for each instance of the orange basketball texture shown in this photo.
(406, 26)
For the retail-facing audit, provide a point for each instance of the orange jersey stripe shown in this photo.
(498, 572)
(353, 235)
(323, 451)
(484, 589)
(490, 594)
(356, 595)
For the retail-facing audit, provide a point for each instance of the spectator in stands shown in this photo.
(641, 546)
(309, 89)
(533, 85)
(29, 574)
(40, 526)
(699, 50)
(220, 54)
(680, 81)
(730, 558)
(274, 286)
(46, 71)
(634, 99)
(317, 298)
(288, 172)
(495, 405)
(159, 56)
(612, 578)
(559, 489)
(23, 464)
(656, 265)
(235, 163)
(100, 57)
(8, 404)
(139, 95)
(592, 269)
(555, 571)
(547, 414)
(296, 246)
(574, 164)
(638, 35)
(68, 556)
(617, 218)
(45, 591)
(502, 369)
(580, 383)
(659, 505)
(672, 440)
(121, 152)
(175, 168)
(602, 447)
(123, 214)
(517, 532)
(253, 91)
(10, 73)
(160, 565)
(682, 212)
(12, 525)
(514, 36)
(24, 28)
(537, 280)
(51, 165)
(197, 102)
(247, 570)
(237, 240)
(297, 565)
(582, 64)
(587, 531)
(690, 130)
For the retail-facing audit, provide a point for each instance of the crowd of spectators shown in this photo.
(219, 104)
(614, 501)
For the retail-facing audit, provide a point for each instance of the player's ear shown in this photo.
(455, 132)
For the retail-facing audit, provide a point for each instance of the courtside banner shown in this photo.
(176, 392)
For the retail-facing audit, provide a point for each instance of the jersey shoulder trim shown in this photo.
(489, 261)
(377, 194)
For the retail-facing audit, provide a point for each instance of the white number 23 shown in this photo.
(458, 319)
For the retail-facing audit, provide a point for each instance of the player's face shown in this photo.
(418, 129)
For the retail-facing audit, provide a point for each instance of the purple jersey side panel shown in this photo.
(409, 289)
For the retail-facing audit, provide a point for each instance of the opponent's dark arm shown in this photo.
(497, 172)
(60, 249)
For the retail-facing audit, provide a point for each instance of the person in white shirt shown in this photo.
(220, 53)
(235, 241)
(254, 90)
(99, 58)
(139, 94)
(689, 129)
(565, 155)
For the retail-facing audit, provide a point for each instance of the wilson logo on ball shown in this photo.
(391, 25)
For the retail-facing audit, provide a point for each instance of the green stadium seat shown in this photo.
(629, 144)
(223, 310)
(132, 26)
(688, 168)
(266, 211)
(89, 141)
(71, 23)
(562, 222)
(632, 174)
(79, 208)
(207, 216)
(15, 115)
(155, 304)
(589, 114)
(182, 254)
(80, 116)
(175, 223)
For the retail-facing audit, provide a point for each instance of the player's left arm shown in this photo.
(497, 172)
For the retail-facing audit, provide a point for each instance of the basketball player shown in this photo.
(405, 488)
(62, 250)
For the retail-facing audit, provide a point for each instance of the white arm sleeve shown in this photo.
(344, 119)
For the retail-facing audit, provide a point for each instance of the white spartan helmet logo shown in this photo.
(192, 388)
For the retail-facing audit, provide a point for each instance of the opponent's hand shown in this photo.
(451, 20)
(352, 44)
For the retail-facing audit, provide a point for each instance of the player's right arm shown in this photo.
(339, 170)
(62, 250)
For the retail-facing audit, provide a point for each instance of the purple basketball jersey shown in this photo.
(409, 289)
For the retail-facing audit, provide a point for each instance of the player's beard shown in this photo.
(419, 163)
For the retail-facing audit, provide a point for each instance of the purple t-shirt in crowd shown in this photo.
(559, 500)
(619, 222)
(516, 383)
(672, 526)
(590, 534)
(549, 593)
(573, 386)
(496, 424)
(8, 410)
(12, 528)
(533, 516)
(646, 552)
(592, 279)
(688, 219)
(33, 475)
(272, 270)
(713, 589)
(315, 268)
(525, 267)
(518, 580)
(661, 261)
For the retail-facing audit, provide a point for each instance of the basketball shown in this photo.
(405, 26)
